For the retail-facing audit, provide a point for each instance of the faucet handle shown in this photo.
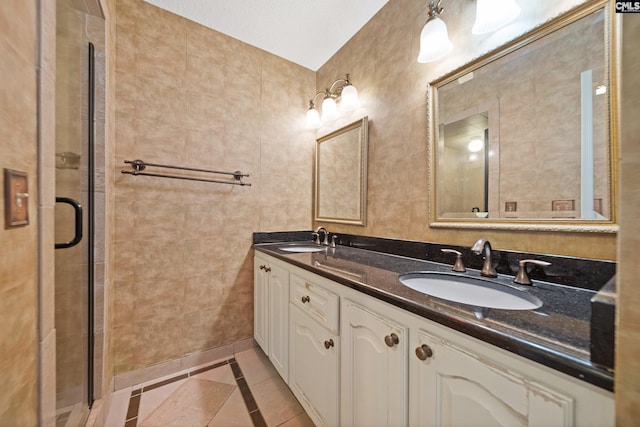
(522, 277)
(458, 266)
(333, 240)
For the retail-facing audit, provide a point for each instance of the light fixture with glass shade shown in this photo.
(494, 14)
(340, 90)
(434, 38)
(313, 117)
(329, 109)
(475, 145)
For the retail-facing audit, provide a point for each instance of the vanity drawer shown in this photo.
(319, 303)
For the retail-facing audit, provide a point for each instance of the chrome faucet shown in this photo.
(324, 241)
(487, 268)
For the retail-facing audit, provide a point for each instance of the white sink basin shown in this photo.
(470, 290)
(296, 248)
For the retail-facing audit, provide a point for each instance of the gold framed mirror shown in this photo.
(524, 137)
(340, 190)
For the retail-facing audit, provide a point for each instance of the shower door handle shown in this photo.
(78, 213)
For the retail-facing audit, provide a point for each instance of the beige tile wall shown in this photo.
(393, 86)
(109, 10)
(19, 340)
(628, 321)
(190, 96)
(46, 197)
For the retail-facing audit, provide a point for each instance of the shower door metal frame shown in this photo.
(91, 221)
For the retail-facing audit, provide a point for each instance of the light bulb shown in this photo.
(475, 145)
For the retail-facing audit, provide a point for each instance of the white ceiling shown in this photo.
(307, 32)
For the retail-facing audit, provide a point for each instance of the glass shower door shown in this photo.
(74, 217)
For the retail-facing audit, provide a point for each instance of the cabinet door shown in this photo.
(261, 303)
(374, 369)
(452, 387)
(313, 368)
(278, 318)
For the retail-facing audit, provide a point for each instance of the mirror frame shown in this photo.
(363, 140)
(593, 226)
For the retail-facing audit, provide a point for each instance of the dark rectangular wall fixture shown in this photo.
(16, 198)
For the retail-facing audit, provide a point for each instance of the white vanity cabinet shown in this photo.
(271, 311)
(314, 346)
(456, 382)
(352, 361)
(314, 373)
(456, 387)
(374, 368)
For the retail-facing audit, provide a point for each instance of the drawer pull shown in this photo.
(328, 344)
(262, 267)
(391, 340)
(267, 269)
(424, 352)
(305, 299)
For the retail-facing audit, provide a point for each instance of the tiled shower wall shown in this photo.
(628, 307)
(393, 91)
(27, 49)
(189, 96)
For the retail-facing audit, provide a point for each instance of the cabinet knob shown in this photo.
(262, 267)
(267, 269)
(391, 340)
(424, 352)
(328, 344)
(305, 299)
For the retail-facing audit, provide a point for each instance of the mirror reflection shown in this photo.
(341, 175)
(464, 153)
(523, 134)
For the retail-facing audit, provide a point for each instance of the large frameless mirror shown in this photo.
(341, 175)
(522, 137)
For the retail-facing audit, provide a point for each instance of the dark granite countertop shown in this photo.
(556, 335)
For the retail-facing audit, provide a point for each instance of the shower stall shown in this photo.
(79, 214)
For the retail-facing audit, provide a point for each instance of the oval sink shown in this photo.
(302, 248)
(470, 290)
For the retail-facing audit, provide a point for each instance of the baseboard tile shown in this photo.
(174, 366)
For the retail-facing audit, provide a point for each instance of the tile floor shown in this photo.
(244, 390)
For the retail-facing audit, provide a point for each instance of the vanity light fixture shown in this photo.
(490, 16)
(434, 38)
(494, 14)
(340, 90)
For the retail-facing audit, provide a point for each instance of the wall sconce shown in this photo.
(341, 90)
(434, 38)
(494, 14)
(490, 15)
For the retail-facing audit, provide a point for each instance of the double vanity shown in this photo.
(383, 332)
